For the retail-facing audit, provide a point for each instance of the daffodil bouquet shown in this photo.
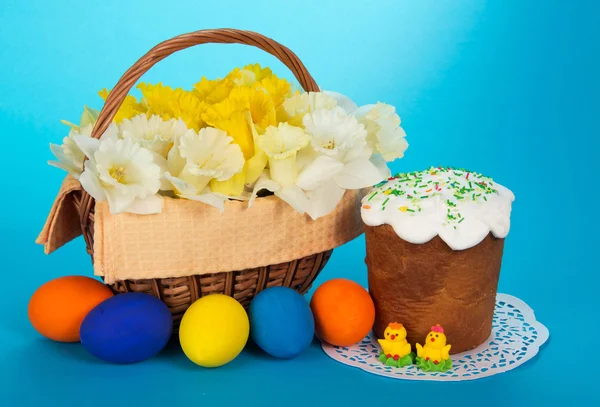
(248, 134)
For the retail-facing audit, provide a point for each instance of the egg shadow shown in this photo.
(58, 354)
(173, 354)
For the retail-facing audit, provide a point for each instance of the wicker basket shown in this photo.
(179, 293)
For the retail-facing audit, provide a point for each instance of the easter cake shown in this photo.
(435, 240)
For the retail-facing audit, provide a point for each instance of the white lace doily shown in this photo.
(516, 337)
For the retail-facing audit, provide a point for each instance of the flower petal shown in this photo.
(118, 202)
(324, 199)
(212, 199)
(321, 170)
(163, 164)
(234, 186)
(363, 110)
(90, 183)
(111, 133)
(294, 196)
(255, 166)
(175, 160)
(359, 174)
(381, 164)
(263, 182)
(343, 101)
(87, 144)
(147, 206)
(178, 185)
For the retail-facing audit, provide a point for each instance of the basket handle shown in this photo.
(218, 36)
(161, 51)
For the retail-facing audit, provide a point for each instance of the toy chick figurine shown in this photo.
(396, 350)
(434, 355)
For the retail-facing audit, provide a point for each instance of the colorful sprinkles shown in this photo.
(459, 184)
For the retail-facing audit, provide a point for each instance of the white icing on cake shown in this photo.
(460, 206)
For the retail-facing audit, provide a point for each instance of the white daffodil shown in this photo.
(281, 145)
(336, 134)
(122, 173)
(385, 135)
(153, 133)
(297, 106)
(69, 155)
(343, 160)
(198, 158)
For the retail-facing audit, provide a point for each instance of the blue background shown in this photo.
(508, 88)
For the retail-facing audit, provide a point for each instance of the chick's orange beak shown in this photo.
(393, 337)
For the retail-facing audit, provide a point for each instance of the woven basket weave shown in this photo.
(179, 293)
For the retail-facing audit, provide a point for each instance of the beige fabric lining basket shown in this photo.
(191, 249)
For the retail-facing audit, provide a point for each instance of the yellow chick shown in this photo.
(435, 348)
(395, 345)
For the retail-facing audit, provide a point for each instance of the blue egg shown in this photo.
(281, 322)
(127, 328)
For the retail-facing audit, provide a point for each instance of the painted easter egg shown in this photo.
(127, 328)
(344, 312)
(214, 330)
(57, 309)
(281, 322)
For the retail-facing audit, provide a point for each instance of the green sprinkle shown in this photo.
(485, 198)
(386, 201)
(424, 197)
(461, 220)
(372, 196)
(410, 210)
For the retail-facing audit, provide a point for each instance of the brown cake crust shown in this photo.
(420, 285)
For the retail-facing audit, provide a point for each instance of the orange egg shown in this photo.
(58, 307)
(344, 312)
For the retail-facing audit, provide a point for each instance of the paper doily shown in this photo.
(516, 337)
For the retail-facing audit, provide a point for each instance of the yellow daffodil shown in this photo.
(213, 91)
(277, 89)
(259, 104)
(169, 103)
(156, 98)
(188, 108)
(130, 107)
(230, 117)
(249, 75)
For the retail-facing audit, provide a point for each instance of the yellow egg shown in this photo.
(214, 330)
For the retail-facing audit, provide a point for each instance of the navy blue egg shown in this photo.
(281, 322)
(127, 328)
